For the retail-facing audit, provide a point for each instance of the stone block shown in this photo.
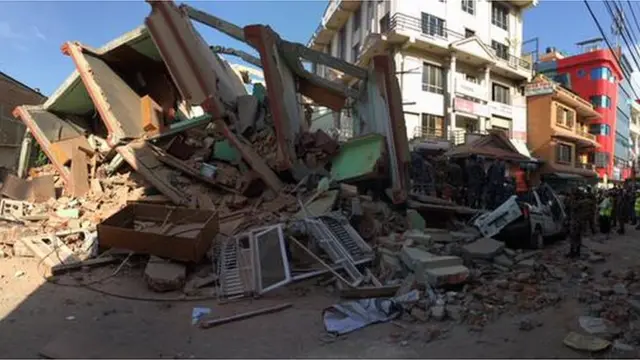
(163, 275)
(449, 275)
(418, 237)
(484, 248)
(415, 220)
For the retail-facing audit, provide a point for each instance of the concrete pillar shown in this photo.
(451, 76)
(487, 84)
(25, 154)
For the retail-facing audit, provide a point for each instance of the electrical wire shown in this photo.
(89, 286)
(615, 56)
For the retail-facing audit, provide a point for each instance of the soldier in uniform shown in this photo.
(621, 210)
(591, 210)
(441, 175)
(574, 204)
(454, 180)
(475, 181)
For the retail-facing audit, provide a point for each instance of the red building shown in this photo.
(594, 75)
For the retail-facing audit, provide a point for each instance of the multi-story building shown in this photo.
(595, 75)
(558, 129)
(634, 131)
(459, 61)
(12, 94)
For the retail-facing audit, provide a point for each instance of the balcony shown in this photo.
(335, 16)
(471, 89)
(585, 166)
(455, 137)
(401, 26)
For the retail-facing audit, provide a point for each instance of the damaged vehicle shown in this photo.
(527, 220)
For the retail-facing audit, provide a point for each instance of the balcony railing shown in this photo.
(400, 21)
(455, 137)
(585, 166)
(586, 135)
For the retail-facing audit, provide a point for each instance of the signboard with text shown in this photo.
(539, 88)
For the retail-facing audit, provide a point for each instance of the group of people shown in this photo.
(470, 185)
(610, 208)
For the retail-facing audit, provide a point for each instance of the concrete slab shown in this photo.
(449, 275)
(163, 275)
(416, 221)
(484, 248)
(418, 237)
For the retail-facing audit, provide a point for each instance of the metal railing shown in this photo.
(586, 134)
(400, 21)
(455, 137)
(585, 166)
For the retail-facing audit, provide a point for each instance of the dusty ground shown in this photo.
(84, 323)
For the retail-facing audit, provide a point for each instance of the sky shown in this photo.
(32, 32)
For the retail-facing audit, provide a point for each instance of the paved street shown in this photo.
(85, 323)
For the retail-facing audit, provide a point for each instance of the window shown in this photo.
(500, 94)
(432, 78)
(563, 79)
(502, 50)
(564, 116)
(357, 18)
(356, 51)
(468, 6)
(499, 15)
(564, 153)
(602, 73)
(471, 78)
(432, 125)
(469, 33)
(601, 159)
(601, 101)
(582, 73)
(432, 25)
(342, 42)
(330, 48)
(599, 129)
(385, 23)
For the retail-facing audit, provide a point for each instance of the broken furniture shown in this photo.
(172, 232)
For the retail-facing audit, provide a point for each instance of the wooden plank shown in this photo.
(79, 173)
(63, 150)
(368, 292)
(178, 164)
(42, 189)
(63, 268)
(206, 324)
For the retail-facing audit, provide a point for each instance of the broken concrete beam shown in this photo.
(449, 275)
(247, 113)
(484, 248)
(419, 260)
(440, 235)
(418, 237)
(163, 275)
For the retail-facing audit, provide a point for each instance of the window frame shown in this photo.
(502, 50)
(342, 43)
(558, 153)
(357, 15)
(507, 89)
(433, 25)
(603, 98)
(468, 6)
(430, 71)
(432, 119)
(355, 51)
(500, 15)
(600, 127)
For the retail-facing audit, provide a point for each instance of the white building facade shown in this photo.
(458, 61)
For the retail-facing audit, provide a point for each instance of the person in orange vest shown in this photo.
(522, 181)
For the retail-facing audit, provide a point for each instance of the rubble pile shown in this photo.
(207, 176)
